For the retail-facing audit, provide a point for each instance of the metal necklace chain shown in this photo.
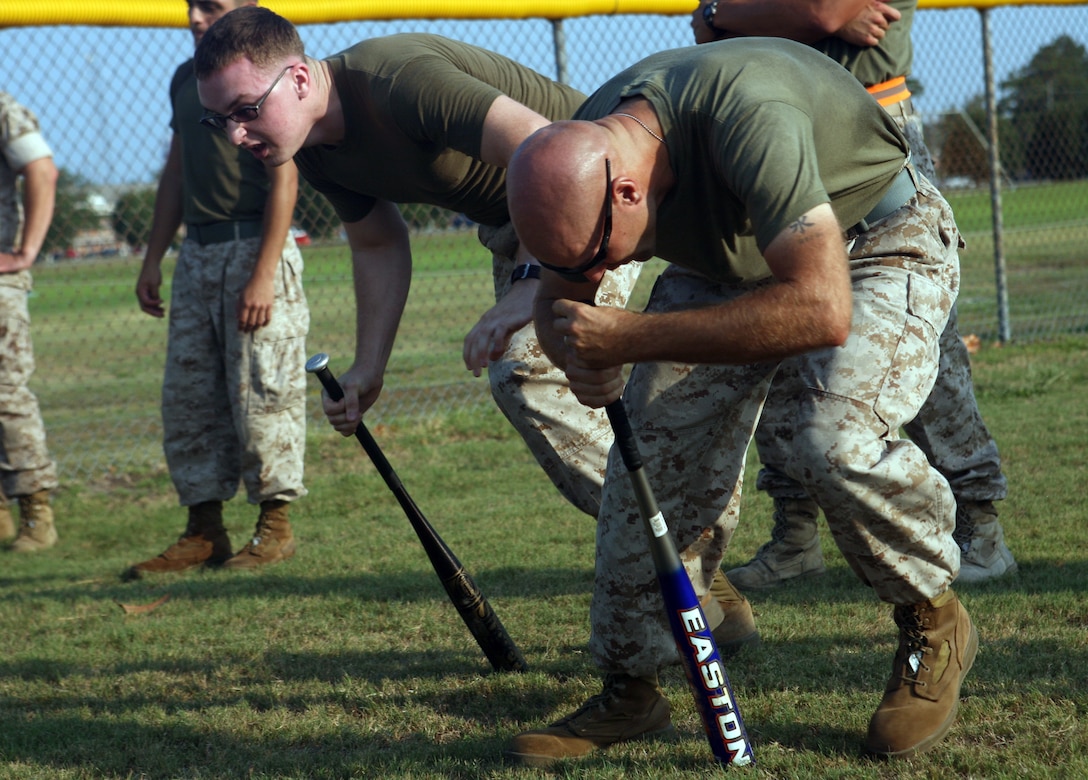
(645, 126)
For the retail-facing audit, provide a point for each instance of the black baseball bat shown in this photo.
(467, 598)
(698, 651)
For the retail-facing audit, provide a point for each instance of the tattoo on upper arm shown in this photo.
(800, 225)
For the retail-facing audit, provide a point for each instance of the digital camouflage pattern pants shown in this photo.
(570, 441)
(233, 403)
(890, 511)
(949, 427)
(25, 465)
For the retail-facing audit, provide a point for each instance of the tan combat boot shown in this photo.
(729, 616)
(272, 542)
(627, 708)
(36, 529)
(983, 554)
(204, 542)
(793, 551)
(937, 645)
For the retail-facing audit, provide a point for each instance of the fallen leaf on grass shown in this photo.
(140, 609)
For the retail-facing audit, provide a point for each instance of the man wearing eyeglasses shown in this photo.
(782, 196)
(410, 119)
(234, 387)
(423, 119)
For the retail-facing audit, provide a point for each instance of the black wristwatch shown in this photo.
(525, 271)
(709, 10)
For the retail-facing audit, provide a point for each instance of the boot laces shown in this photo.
(781, 523)
(965, 528)
(913, 645)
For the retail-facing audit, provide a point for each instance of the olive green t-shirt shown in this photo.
(889, 59)
(414, 108)
(759, 131)
(221, 182)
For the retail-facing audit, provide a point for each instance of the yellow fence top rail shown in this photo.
(158, 13)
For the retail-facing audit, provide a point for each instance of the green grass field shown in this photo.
(348, 661)
(1045, 232)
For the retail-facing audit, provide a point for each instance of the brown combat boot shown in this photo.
(204, 542)
(272, 542)
(793, 551)
(730, 617)
(627, 708)
(36, 529)
(937, 646)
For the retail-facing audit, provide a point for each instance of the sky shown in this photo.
(100, 93)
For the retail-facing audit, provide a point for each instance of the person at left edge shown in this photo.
(27, 472)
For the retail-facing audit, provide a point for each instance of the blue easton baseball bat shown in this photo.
(698, 651)
(467, 598)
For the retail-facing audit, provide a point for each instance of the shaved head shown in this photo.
(555, 188)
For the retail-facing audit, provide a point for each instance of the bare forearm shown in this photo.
(770, 323)
(279, 211)
(381, 257)
(382, 280)
(167, 213)
(806, 21)
(164, 226)
(39, 199)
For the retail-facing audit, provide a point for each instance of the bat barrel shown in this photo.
(467, 598)
(702, 661)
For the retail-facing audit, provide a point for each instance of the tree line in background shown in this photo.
(1042, 126)
(129, 218)
(1042, 122)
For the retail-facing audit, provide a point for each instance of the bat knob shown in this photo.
(317, 362)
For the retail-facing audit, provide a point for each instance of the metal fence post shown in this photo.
(1004, 328)
(559, 39)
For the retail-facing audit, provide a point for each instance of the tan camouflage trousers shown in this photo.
(25, 465)
(890, 512)
(233, 403)
(949, 427)
(568, 440)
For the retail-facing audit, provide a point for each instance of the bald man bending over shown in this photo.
(789, 232)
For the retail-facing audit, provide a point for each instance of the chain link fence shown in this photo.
(101, 96)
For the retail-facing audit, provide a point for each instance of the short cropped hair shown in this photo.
(252, 33)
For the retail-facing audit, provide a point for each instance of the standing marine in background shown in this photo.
(872, 40)
(27, 473)
(234, 389)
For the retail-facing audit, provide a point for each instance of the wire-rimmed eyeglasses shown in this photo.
(244, 113)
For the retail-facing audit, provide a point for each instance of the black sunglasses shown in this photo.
(243, 114)
(578, 273)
